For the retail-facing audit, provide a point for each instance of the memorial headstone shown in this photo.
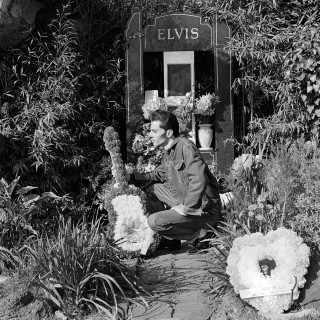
(183, 36)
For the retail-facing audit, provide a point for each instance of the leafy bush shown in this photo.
(275, 45)
(57, 97)
(306, 204)
(289, 179)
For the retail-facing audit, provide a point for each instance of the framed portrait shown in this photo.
(179, 79)
(178, 73)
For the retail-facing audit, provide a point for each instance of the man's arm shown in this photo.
(195, 170)
(158, 174)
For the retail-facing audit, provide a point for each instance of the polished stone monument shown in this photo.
(179, 38)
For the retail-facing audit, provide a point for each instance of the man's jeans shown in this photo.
(169, 223)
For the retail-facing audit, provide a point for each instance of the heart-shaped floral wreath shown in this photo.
(269, 262)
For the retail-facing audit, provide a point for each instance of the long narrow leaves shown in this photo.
(79, 266)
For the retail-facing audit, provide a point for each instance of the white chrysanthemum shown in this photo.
(291, 257)
(204, 105)
(131, 227)
(151, 106)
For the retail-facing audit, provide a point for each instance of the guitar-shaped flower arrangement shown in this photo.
(126, 204)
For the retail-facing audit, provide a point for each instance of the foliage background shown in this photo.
(60, 89)
(276, 46)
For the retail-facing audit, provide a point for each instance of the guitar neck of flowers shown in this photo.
(113, 144)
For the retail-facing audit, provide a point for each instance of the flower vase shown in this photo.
(205, 136)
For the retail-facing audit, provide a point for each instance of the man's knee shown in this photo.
(152, 222)
(155, 223)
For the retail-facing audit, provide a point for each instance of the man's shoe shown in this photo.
(171, 245)
(140, 264)
(200, 233)
(197, 243)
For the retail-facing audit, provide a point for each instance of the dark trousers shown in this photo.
(168, 222)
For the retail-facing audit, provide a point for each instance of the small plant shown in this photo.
(306, 220)
(220, 246)
(17, 210)
(261, 216)
(80, 269)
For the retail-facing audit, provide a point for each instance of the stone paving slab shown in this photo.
(193, 305)
(180, 284)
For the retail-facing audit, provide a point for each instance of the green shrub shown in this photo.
(276, 46)
(57, 97)
(290, 182)
(306, 220)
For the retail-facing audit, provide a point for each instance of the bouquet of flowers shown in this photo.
(205, 104)
(205, 107)
(184, 111)
(151, 106)
(149, 156)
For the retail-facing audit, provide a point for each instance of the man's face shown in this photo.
(158, 135)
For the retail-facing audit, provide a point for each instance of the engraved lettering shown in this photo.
(169, 35)
(187, 33)
(161, 35)
(179, 34)
(194, 33)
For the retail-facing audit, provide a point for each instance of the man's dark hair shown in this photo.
(168, 120)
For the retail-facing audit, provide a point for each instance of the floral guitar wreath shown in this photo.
(266, 266)
(126, 204)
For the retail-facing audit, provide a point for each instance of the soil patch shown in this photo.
(24, 305)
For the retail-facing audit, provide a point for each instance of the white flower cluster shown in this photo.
(131, 229)
(151, 106)
(205, 104)
(285, 248)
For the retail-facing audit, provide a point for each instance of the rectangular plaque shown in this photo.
(179, 79)
(179, 32)
(261, 292)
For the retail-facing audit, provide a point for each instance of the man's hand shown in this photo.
(184, 211)
(179, 209)
(129, 172)
(192, 212)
